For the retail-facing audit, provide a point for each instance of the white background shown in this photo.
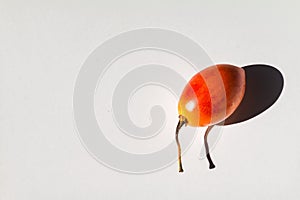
(42, 47)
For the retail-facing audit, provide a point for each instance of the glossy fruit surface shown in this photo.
(212, 95)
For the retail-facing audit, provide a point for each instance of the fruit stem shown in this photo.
(182, 121)
(211, 164)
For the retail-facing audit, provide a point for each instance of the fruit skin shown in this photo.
(212, 95)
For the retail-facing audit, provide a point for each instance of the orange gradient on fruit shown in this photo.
(212, 95)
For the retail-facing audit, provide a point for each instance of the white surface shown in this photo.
(42, 46)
